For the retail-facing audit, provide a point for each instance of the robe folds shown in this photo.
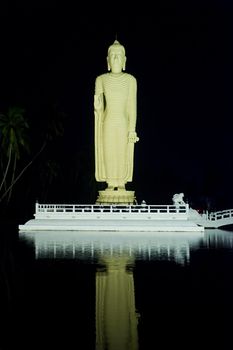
(115, 117)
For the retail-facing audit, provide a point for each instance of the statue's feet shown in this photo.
(115, 187)
(109, 188)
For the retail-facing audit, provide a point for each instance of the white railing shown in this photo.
(122, 209)
(218, 215)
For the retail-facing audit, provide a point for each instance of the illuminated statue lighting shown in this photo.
(115, 108)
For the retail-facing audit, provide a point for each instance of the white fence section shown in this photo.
(218, 215)
(83, 211)
(214, 219)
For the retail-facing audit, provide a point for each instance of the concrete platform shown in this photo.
(111, 225)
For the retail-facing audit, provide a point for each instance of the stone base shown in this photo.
(116, 197)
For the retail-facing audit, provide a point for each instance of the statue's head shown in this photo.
(116, 58)
(116, 46)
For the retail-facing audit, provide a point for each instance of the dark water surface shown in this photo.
(83, 290)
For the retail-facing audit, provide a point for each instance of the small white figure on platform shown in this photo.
(178, 199)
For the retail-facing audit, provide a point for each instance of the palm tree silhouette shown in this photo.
(13, 139)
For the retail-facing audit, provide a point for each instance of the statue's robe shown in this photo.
(113, 122)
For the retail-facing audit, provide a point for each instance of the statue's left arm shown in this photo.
(132, 110)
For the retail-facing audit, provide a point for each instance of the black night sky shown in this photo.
(181, 56)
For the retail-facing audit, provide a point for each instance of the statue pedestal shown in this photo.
(116, 197)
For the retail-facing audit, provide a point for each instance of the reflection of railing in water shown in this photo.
(162, 246)
(90, 247)
(92, 251)
(218, 239)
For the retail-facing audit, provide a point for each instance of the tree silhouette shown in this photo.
(13, 140)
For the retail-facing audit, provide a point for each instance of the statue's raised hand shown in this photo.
(132, 138)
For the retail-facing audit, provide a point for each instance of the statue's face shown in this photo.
(116, 60)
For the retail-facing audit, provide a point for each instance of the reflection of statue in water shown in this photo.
(115, 123)
(116, 316)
